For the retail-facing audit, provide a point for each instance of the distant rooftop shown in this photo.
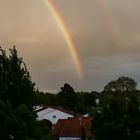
(73, 127)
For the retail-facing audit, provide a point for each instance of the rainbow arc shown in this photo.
(67, 35)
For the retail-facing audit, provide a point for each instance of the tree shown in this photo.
(17, 119)
(85, 101)
(67, 97)
(122, 84)
(119, 119)
(15, 80)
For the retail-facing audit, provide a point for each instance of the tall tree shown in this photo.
(67, 97)
(17, 119)
(15, 80)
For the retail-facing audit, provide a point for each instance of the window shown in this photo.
(54, 116)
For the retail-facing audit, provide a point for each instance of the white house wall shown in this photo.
(41, 113)
(52, 115)
(59, 115)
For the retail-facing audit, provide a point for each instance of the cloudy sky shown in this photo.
(106, 33)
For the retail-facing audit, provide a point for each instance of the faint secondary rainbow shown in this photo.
(111, 22)
(67, 35)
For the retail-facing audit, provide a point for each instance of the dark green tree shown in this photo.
(17, 119)
(119, 119)
(45, 98)
(85, 101)
(67, 97)
(15, 80)
(122, 84)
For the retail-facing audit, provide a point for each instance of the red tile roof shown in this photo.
(72, 127)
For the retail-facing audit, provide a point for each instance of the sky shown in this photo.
(106, 35)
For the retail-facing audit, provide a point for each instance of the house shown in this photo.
(53, 114)
(73, 129)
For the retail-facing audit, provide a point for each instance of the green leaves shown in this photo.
(122, 84)
(17, 120)
(15, 81)
(67, 97)
(118, 120)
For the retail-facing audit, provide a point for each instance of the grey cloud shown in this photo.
(107, 36)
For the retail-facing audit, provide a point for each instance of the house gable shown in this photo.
(53, 115)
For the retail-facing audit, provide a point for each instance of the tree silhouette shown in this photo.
(15, 81)
(122, 84)
(17, 119)
(67, 97)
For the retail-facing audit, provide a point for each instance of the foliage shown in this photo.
(20, 124)
(119, 118)
(17, 120)
(85, 102)
(15, 81)
(45, 98)
(67, 97)
(80, 102)
(122, 84)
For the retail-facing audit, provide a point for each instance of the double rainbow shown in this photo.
(67, 36)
